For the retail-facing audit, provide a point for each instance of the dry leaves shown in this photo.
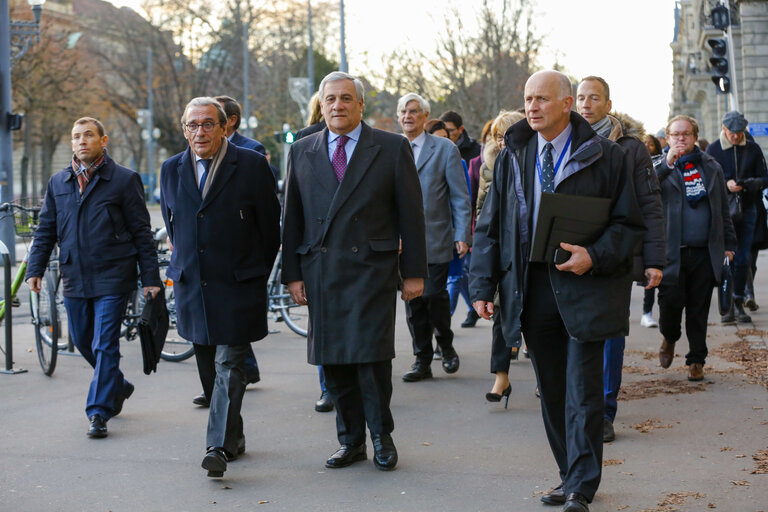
(649, 388)
(754, 360)
(649, 425)
(743, 483)
(761, 459)
(678, 498)
(612, 462)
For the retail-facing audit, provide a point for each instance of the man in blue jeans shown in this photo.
(96, 211)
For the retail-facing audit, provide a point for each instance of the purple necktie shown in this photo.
(339, 159)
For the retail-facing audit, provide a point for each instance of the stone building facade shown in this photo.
(693, 91)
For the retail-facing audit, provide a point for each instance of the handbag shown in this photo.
(153, 328)
(725, 290)
(734, 206)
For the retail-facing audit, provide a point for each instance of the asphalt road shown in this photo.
(680, 446)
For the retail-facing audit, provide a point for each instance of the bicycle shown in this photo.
(280, 303)
(44, 306)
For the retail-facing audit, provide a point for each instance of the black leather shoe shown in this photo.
(215, 461)
(98, 427)
(324, 404)
(609, 435)
(451, 363)
(347, 454)
(471, 320)
(254, 377)
(201, 400)
(125, 395)
(419, 371)
(554, 497)
(576, 503)
(384, 452)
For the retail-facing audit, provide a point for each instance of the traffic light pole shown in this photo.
(734, 74)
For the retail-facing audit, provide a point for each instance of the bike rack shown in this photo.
(6, 257)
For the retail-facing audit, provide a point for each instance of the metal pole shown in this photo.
(343, 65)
(7, 234)
(310, 51)
(732, 58)
(8, 313)
(150, 126)
(246, 104)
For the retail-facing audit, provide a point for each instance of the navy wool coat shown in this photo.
(224, 246)
(102, 235)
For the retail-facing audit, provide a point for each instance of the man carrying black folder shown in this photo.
(564, 310)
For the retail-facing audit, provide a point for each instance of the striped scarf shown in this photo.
(695, 190)
(85, 173)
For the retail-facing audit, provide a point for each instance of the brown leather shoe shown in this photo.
(666, 353)
(695, 372)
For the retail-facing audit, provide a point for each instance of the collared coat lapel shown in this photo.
(365, 152)
(223, 174)
(322, 170)
(426, 152)
(188, 176)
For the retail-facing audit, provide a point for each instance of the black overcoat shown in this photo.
(223, 246)
(342, 241)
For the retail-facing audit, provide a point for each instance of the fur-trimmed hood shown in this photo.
(490, 152)
(630, 127)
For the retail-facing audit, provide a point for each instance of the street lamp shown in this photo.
(14, 43)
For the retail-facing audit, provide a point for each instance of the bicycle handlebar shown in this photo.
(13, 206)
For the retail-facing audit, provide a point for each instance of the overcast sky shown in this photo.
(627, 43)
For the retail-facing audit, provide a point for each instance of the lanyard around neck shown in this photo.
(559, 160)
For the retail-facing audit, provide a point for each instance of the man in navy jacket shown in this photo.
(96, 210)
(222, 215)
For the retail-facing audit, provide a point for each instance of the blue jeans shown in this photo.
(613, 362)
(94, 325)
(459, 284)
(745, 232)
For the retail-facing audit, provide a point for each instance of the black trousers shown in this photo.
(431, 313)
(361, 393)
(693, 292)
(569, 373)
(501, 353)
(207, 372)
(227, 363)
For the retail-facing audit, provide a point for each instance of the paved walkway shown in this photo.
(680, 446)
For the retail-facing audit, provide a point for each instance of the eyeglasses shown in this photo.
(680, 135)
(206, 126)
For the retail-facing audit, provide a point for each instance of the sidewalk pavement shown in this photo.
(679, 445)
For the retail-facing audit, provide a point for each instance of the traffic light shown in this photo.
(289, 137)
(286, 136)
(721, 73)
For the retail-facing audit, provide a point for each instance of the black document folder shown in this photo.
(577, 220)
(153, 328)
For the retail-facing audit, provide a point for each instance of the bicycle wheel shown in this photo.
(295, 317)
(45, 319)
(176, 348)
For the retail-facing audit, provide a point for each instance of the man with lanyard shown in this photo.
(565, 310)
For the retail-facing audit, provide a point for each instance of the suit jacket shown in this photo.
(242, 141)
(342, 240)
(447, 209)
(102, 234)
(223, 246)
(594, 306)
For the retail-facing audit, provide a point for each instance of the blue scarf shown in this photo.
(695, 190)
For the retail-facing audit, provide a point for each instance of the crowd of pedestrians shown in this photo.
(432, 214)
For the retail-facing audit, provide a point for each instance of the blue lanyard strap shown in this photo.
(559, 160)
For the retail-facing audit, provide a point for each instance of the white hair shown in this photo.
(204, 101)
(412, 96)
(335, 76)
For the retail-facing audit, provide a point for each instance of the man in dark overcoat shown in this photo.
(565, 311)
(95, 210)
(223, 219)
(352, 197)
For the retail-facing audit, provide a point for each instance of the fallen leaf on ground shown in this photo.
(612, 462)
(754, 360)
(740, 482)
(761, 459)
(649, 425)
(726, 449)
(225, 487)
(426, 444)
(678, 498)
(654, 387)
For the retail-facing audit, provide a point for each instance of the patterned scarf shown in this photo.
(84, 174)
(603, 127)
(695, 190)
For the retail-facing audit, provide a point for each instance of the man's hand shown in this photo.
(653, 276)
(413, 287)
(733, 186)
(483, 308)
(153, 290)
(674, 153)
(298, 292)
(580, 261)
(730, 255)
(34, 284)
(462, 248)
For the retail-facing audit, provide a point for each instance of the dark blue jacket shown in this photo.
(242, 141)
(744, 164)
(101, 235)
(223, 246)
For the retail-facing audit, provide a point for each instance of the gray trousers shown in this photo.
(225, 425)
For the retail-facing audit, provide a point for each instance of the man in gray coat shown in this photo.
(447, 210)
(352, 196)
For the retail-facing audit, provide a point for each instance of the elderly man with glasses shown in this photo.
(223, 219)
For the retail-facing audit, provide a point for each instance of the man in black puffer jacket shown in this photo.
(593, 102)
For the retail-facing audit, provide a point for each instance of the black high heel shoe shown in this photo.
(495, 397)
